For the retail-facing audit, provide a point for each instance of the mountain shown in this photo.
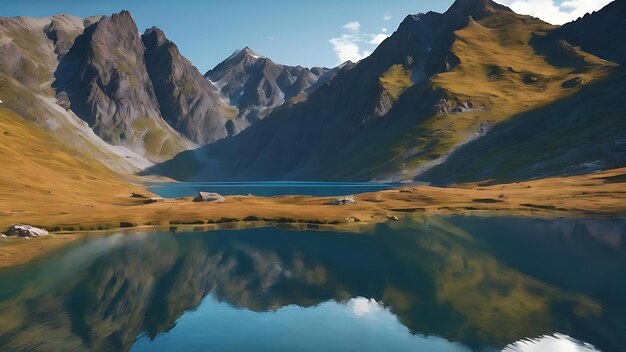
(186, 99)
(31, 49)
(581, 133)
(257, 85)
(600, 33)
(439, 84)
(104, 80)
(130, 100)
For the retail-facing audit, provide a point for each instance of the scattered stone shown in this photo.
(3, 235)
(393, 218)
(353, 219)
(26, 231)
(342, 201)
(138, 195)
(209, 197)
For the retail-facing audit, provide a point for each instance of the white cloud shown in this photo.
(353, 26)
(387, 17)
(363, 307)
(556, 342)
(347, 46)
(556, 12)
(384, 30)
(378, 38)
(270, 38)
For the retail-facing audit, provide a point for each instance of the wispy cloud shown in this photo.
(270, 37)
(387, 17)
(553, 12)
(348, 46)
(378, 38)
(352, 26)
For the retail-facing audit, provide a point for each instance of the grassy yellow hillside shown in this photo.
(40, 172)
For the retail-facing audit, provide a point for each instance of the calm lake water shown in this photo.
(268, 189)
(428, 284)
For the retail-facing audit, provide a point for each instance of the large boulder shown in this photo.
(342, 201)
(27, 231)
(209, 197)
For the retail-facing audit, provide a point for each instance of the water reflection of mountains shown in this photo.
(482, 282)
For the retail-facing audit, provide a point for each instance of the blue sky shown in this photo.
(305, 32)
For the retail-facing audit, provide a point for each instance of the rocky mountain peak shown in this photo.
(103, 79)
(123, 17)
(251, 53)
(155, 36)
(477, 9)
(256, 84)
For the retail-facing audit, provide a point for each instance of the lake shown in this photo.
(267, 189)
(422, 284)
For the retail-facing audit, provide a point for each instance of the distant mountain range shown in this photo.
(141, 98)
(474, 94)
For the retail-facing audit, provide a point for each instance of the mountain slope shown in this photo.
(580, 134)
(601, 33)
(186, 99)
(438, 83)
(104, 80)
(31, 49)
(257, 85)
(40, 172)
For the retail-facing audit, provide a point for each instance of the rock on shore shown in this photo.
(209, 197)
(27, 231)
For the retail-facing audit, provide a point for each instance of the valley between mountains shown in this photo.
(489, 110)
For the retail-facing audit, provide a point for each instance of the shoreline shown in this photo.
(586, 196)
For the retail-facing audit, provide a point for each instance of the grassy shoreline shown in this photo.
(592, 195)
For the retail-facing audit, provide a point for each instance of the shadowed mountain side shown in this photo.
(601, 33)
(580, 134)
(186, 99)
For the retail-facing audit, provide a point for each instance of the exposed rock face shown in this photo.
(188, 101)
(63, 30)
(25, 231)
(257, 85)
(209, 197)
(106, 82)
(30, 49)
